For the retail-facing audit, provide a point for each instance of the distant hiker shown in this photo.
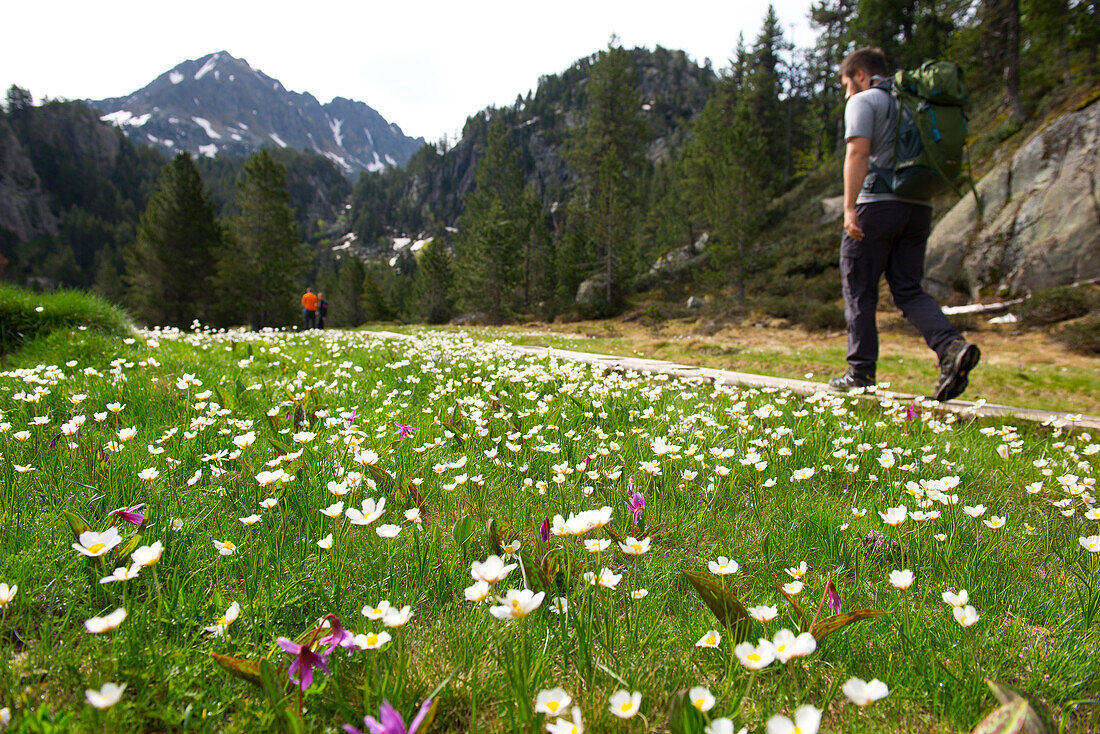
(885, 233)
(309, 308)
(322, 309)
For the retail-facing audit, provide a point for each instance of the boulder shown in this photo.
(694, 302)
(1041, 224)
(591, 291)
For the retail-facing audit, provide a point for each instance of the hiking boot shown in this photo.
(850, 381)
(956, 364)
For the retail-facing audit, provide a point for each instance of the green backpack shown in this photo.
(930, 139)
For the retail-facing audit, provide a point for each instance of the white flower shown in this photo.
(388, 531)
(722, 726)
(478, 592)
(226, 548)
(994, 522)
(147, 555)
(594, 545)
(639, 593)
(564, 726)
(326, 542)
(956, 600)
(1091, 543)
(551, 701)
(491, 570)
(371, 511)
(94, 545)
(894, 516)
(755, 657)
(149, 474)
(268, 503)
(763, 614)
(95, 625)
(517, 604)
(106, 697)
(606, 578)
(122, 574)
(711, 639)
(334, 510)
(395, 617)
(807, 720)
(802, 474)
(723, 566)
(624, 704)
(862, 693)
(701, 698)
(788, 646)
(966, 616)
(218, 628)
(251, 519)
(798, 571)
(901, 579)
(371, 640)
(794, 588)
(7, 593)
(975, 512)
(635, 547)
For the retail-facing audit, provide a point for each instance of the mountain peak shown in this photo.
(218, 104)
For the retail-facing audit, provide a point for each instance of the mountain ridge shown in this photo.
(219, 104)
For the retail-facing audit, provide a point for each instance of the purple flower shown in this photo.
(391, 723)
(404, 430)
(544, 530)
(834, 597)
(129, 514)
(304, 662)
(352, 416)
(911, 412)
(587, 461)
(337, 637)
(636, 503)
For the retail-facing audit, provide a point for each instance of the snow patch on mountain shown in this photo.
(206, 126)
(335, 125)
(277, 139)
(175, 77)
(209, 150)
(377, 164)
(125, 117)
(207, 67)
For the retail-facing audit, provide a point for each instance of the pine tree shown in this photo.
(259, 273)
(434, 283)
(171, 263)
(373, 302)
(607, 152)
(346, 301)
(763, 86)
(729, 172)
(492, 230)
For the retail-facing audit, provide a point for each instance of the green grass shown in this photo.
(522, 430)
(26, 315)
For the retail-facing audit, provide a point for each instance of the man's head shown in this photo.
(858, 68)
(309, 290)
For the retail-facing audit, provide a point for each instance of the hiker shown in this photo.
(885, 234)
(322, 309)
(309, 308)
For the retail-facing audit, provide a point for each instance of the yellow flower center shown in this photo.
(781, 648)
(223, 621)
(626, 707)
(637, 547)
(228, 545)
(698, 703)
(753, 657)
(96, 547)
(711, 640)
(372, 639)
(552, 705)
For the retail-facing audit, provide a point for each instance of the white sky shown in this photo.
(425, 65)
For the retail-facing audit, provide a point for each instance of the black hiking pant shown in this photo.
(895, 234)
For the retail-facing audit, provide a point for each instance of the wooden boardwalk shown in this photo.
(803, 387)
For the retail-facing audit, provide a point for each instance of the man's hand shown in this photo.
(851, 224)
(857, 155)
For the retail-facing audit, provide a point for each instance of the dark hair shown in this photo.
(870, 59)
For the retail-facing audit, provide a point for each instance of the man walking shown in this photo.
(885, 234)
(309, 308)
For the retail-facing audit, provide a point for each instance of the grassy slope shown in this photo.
(26, 315)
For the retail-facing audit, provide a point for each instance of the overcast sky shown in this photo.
(425, 65)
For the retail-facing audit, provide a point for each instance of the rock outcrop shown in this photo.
(23, 208)
(1041, 224)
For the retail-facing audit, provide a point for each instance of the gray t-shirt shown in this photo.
(873, 114)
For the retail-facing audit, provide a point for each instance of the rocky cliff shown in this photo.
(1041, 224)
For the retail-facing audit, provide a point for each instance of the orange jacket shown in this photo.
(309, 302)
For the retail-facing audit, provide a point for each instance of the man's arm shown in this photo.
(857, 156)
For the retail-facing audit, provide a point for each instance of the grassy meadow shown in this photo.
(301, 531)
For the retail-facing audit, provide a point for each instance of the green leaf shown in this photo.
(124, 550)
(274, 689)
(227, 400)
(1008, 719)
(463, 531)
(248, 670)
(722, 601)
(498, 530)
(77, 523)
(825, 627)
(803, 620)
(1037, 720)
